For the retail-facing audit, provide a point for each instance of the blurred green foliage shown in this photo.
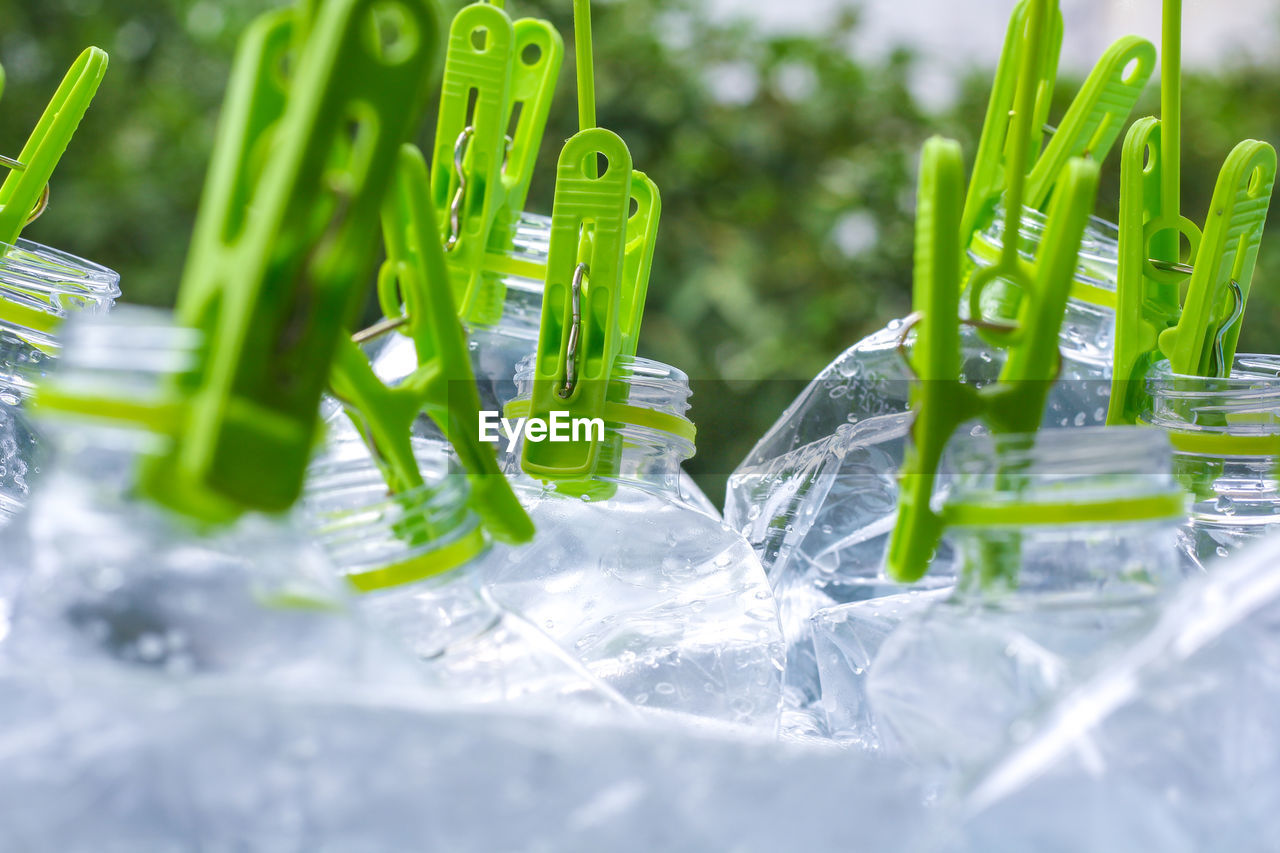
(786, 165)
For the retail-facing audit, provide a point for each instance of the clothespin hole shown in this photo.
(531, 55)
(480, 39)
(397, 33)
(1148, 160)
(601, 161)
(1130, 75)
(635, 208)
(359, 138)
(284, 69)
(1256, 182)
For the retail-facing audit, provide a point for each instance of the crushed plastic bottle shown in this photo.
(1042, 591)
(416, 558)
(657, 599)
(513, 308)
(817, 496)
(112, 581)
(53, 283)
(1170, 745)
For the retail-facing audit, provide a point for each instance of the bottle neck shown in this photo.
(1088, 328)
(40, 286)
(381, 541)
(636, 454)
(1066, 514)
(508, 295)
(1226, 437)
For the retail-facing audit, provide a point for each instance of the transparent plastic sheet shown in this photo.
(1170, 745)
(107, 765)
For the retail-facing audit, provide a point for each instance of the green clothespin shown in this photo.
(1015, 403)
(26, 189)
(414, 288)
(1089, 129)
(1197, 335)
(480, 176)
(276, 272)
(941, 401)
(581, 335)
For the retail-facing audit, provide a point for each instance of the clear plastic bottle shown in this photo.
(36, 278)
(1171, 745)
(664, 603)
(1226, 437)
(1065, 542)
(116, 583)
(416, 557)
(817, 496)
(497, 348)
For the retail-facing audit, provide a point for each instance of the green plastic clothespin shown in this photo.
(494, 71)
(941, 401)
(278, 263)
(1089, 129)
(1015, 403)
(414, 287)
(1199, 334)
(581, 334)
(24, 189)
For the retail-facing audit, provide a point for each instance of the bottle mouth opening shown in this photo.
(1244, 403)
(1089, 466)
(116, 368)
(363, 527)
(656, 395)
(1099, 258)
(40, 282)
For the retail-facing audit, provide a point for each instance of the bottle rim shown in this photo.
(379, 540)
(49, 281)
(657, 396)
(1088, 475)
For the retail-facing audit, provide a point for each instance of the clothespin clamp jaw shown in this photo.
(414, 288)
(24, 194)
(480, 175)
(276, 274)
(988, 178)
(1203, 343)
(1095, 119)
(1089, 129)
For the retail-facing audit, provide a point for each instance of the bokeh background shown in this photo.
(784, 137)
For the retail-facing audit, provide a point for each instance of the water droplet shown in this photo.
(1225, 505)
(1081, 419)
(665, 688)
